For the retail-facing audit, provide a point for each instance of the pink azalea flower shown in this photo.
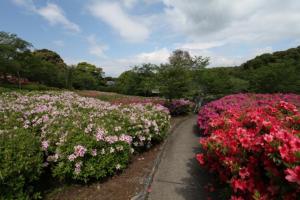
(94, 152)
(79, 151)
(293, 175)
(45, 145)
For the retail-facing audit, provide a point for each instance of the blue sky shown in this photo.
(117, 34)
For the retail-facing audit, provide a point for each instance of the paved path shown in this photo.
(178, 175)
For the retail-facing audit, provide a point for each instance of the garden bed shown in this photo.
(70, 138)
(123, 186)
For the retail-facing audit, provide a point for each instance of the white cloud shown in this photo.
(55, 15)
(96, 48)
(28, 4)
(234, 21)
(129, 27)
(200, 45)
(155, 57)
(260, 51)
(51, 12)
(129, 3)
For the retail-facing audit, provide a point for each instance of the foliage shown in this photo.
(276, 72)
(174, 81)
(177, 79)
(21, 160)
(221, 80)
(138, 81)
(255, 150)
(183, 58)
(86, 76)
(50, 56)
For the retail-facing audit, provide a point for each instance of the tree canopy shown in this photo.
(43, 66)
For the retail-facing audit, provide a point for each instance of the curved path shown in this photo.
(178, 175)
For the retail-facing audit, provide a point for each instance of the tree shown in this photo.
(127, 83)
(184, 59)
(177, 79)
(50, 56)
(97, 72)
(221, 81)
(87, 76)
(13, 51)
(138, 81)
(174, 81)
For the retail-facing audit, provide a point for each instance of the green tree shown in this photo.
(13, 51)
(138, 81)
(87, 76)
(50, 56)
(174, 81)
(184, 59)
(178, 78)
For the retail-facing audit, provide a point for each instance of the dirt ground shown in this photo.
(119, 187)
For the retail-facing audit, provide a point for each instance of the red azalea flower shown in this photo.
(200, 158)
(284, 152)
(244, 173)
(238, 184)
(236, 198)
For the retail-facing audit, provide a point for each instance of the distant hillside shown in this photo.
(276, 72)
(290, 56)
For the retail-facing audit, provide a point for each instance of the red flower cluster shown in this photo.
(214, 109)
(256, 151)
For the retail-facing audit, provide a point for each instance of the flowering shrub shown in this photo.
(240, 101)
(179, 106)
(83, 138)
(256, 150)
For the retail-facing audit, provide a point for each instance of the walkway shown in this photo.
(178, 175)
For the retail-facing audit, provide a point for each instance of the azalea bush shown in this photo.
(179, 106)
(215, 109)
(81, 138)
(256, 150)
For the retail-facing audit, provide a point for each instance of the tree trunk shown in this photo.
(19, 80)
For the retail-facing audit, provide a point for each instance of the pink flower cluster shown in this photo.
(79, 151)
(100, 136)
(256, 150)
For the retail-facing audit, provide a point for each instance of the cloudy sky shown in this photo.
(116, 34)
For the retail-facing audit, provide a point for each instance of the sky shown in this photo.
(118, 34)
